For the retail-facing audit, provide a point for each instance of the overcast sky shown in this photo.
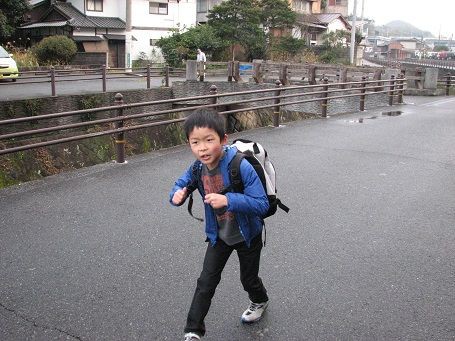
(436, 16)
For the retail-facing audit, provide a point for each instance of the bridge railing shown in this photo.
(289, 73)
(116, 122)
(53, 76)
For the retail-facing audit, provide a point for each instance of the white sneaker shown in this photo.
(254, 312)
(192, 337)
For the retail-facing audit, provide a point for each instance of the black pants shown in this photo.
(214, 262)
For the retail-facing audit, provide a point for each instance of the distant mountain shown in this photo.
(400, 28)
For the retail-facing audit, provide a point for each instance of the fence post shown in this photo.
(448, 81)
(52, 71)
(400, 88)
(377, 76)
(166, 76)
(214, 100)
(213, 91)
(325, 88)
(257, 73)
(103, 77)
(343, 77)
(237, 77)
(148, 76)
(230, 70)
(391, 90)
(362, 91)
(312, 75)
(276, 108)
(119, 137)
(284, 74)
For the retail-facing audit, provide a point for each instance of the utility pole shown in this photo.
(128, 37)
(362, 16)
(354, 23)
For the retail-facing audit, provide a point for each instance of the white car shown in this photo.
(8, 67)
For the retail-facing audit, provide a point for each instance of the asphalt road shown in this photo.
(24, 89)
(366, 253)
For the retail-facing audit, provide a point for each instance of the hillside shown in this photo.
(401, 29)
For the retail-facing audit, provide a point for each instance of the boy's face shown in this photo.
(207, 146)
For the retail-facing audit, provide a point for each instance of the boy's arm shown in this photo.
(180, 184)
(253, 200)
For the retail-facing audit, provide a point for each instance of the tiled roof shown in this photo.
(328, 17)
(46, 24)
(108, 22)
(75, 17)
(307, 18)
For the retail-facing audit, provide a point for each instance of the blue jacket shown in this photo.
(248, 207)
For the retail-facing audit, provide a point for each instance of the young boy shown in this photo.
(232, 220)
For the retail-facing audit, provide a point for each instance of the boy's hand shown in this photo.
(216, 200)
(180, 196)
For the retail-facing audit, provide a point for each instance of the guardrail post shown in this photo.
(166, 76)
(362, 91)
(324, 101)
(276, 108)
(400, 88)
(448, 83)
(52, 72)
(119, 138)
(148, 76)
(103, 71)
(391, 90)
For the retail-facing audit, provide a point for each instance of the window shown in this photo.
(201, 6)
(95, 5)
(153, 42)
(158, 8)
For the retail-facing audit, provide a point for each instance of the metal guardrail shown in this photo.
(436, 63)
(53, 76)
(448, 81)
(14, 142)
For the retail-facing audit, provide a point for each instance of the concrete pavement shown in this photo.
(366, 252)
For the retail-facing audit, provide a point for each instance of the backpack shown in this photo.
(257, 156)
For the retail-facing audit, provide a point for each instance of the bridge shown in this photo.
(365, 253)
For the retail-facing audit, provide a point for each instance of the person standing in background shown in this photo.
(201, 60)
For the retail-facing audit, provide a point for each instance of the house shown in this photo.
(313, 20)
(202, 9)
(100, 25)
(312, 24)
(336, 6)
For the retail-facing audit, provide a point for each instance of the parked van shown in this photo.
(8, 67)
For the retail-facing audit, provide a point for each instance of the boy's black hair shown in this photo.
(204, 118)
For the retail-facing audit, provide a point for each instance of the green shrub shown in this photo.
(55, 50)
